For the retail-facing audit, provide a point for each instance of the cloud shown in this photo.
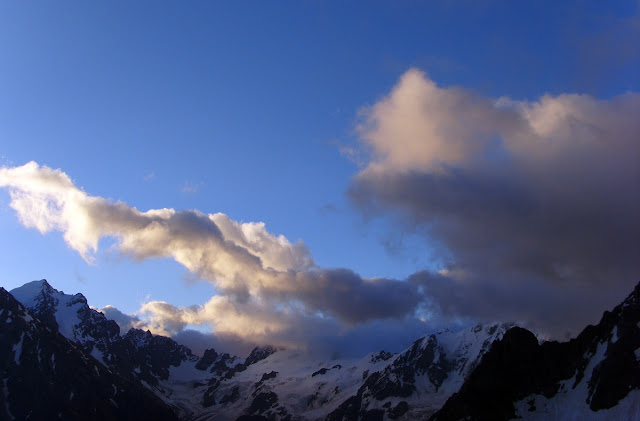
(238, 328)
(533, 204)
(190, 188)
(332, 291)
(266, 285)
(125, 321)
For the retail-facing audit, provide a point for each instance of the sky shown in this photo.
(328, 176)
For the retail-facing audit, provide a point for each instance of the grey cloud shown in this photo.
(375, 335)
(317, 336)
(554, 310)
(198, 342)
(125, 321)
(533, 206)
(346, 295)
(498, 225)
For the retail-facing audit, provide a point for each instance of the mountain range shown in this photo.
(61, 359)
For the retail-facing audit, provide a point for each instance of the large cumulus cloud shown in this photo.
(534, 204)
(268, 288)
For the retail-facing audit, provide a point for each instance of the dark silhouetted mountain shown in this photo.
(578, 379)
(46, 376)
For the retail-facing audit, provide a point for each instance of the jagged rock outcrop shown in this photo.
(47, 376)
(599, 368)
(153, 355)
(259, 354)
(435, 366)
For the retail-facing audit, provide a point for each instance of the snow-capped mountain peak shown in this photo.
(59, 310)
(46, 376)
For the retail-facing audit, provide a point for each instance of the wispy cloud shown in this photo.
(190, 188)
(329, 208)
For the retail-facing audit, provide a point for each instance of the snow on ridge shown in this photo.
(30, 294)
(17, 349)
(98, 355)
(36, 295)
(67, 315)
(323, 385)
(614, 335)
(570, 402)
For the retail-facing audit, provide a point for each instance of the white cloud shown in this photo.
(276, 252)
(190, 188)
(265, 284)
(422, 127)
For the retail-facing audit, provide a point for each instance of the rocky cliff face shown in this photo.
(138, 356)
(75, 320)
(57, 351)
(584, 378)
(419, 380)
(46, 376)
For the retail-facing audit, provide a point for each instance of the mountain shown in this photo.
(138, 356)
(419, 380)
(492, 372)
(594, 376)
(46, 376)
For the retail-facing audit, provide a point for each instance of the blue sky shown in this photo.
(247, 108)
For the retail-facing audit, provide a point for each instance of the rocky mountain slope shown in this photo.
(497, 371)
(594, 376)
(46, 376)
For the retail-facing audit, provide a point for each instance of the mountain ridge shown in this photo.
(435, 378)
(613, 344)
(45, 375)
